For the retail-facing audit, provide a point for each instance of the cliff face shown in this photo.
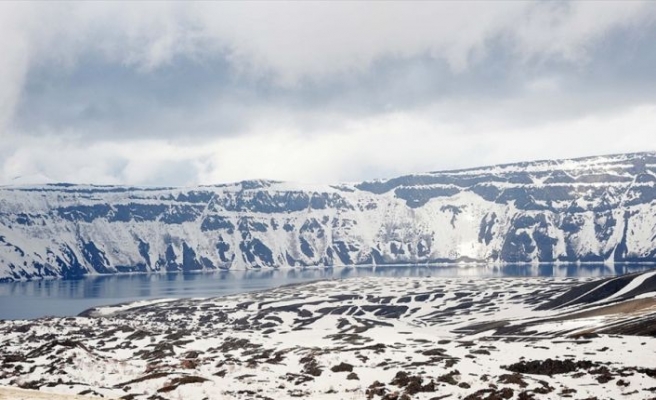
(588, 209)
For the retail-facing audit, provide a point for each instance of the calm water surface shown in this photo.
(23, 300)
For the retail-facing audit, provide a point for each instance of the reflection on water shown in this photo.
(66, 298)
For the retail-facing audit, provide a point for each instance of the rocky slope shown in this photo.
(374, 338)
(595, 209)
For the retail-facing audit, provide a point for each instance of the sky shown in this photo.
(182, 94)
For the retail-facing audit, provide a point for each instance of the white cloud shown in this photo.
(288, 44)
(381, 146)
(14, 62)
(566, 29)
(304, 40)
(316, 39)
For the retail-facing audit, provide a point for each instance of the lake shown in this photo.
(26, 300)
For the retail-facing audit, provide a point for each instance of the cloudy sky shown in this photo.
(201, 93)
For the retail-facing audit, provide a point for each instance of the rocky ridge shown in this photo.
(595, 209)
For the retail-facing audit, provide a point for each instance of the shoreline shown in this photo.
(455, 264)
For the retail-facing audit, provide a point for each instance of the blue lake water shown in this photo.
(26, 300)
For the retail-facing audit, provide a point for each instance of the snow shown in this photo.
(333, 322)
(45, 227)
(635, 283)
(127, 306)
(9, 393)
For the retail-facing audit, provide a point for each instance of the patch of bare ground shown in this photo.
(7, 393)
(626, 307)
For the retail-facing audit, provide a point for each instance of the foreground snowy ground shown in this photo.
(9, 393)
(377, 338)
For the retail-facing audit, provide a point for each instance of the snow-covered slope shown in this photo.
(376, 338)
(589, 209)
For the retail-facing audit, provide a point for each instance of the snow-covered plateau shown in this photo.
(595, 209)
(373, 338)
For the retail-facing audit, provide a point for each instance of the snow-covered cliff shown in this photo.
(588, 209)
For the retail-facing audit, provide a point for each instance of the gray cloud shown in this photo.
(207, 77)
